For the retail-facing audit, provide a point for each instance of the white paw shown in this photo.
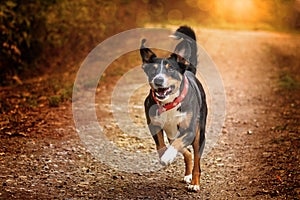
(168, 156)
(194, 188)
(188, 179)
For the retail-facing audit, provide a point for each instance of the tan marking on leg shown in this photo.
(188, 160)
(196, 168)
(178, 144)
(161, 147)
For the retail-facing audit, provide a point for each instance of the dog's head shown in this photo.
(164, 74)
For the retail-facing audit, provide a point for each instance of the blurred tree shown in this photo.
(22, 32)
(56, 34)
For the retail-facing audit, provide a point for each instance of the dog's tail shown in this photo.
(185, 33)
(188, 44)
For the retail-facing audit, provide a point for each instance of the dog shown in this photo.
(176, 104)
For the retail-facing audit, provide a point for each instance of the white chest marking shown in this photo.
(169, 120)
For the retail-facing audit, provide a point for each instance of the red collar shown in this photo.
(177, 100)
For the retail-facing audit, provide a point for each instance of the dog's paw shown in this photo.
(194, 188)
(168, 156)
(187, 179)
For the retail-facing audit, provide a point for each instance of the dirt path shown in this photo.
(256, 157)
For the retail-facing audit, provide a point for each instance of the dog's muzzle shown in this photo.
(161, 91)
(158, 81)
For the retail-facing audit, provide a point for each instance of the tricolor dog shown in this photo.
(176, 105)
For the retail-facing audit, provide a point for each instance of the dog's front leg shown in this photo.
(188, 160)
(158, 136)
(160, 144)
(176, 146)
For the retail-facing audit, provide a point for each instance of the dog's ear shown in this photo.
(184, 52)
(146, 54)
(182, 55)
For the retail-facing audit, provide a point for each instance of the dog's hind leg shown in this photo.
(188, 160)
(195, 184)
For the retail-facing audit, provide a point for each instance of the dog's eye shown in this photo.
(171, 68)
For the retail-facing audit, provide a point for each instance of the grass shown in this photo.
(286, 81)
(285, 59)
(54, 100)
(64, 94)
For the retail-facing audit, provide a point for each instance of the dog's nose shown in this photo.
(158, 81)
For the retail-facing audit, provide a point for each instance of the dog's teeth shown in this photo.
(168, 90)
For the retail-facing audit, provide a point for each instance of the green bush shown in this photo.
(23, 28)
(37, 34)
(54, 100)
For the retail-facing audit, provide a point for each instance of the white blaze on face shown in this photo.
(160, 74)
(161, 66)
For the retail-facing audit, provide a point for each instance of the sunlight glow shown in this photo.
(237, 10)
(242, 9)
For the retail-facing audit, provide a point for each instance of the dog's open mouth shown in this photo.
(163, 93)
